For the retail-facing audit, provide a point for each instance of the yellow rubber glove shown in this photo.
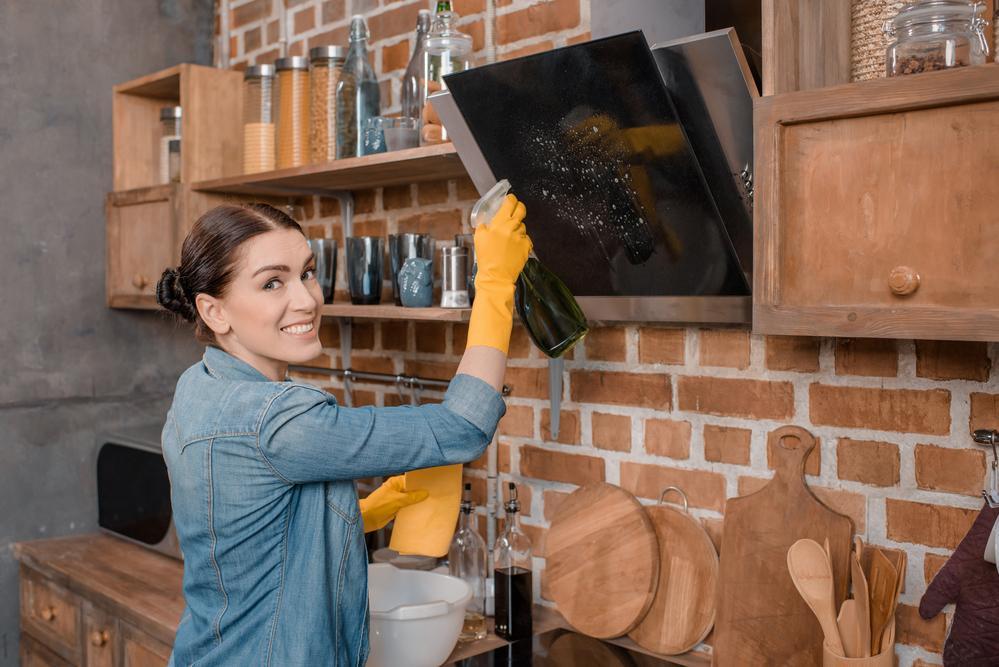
(501, 250)
(427, 528)
(383, 503)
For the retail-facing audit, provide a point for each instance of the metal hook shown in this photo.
(683, 495)
(400, 382)
(416, 386)
(989, 437)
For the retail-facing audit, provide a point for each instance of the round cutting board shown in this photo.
(602, 560)
(683, 610)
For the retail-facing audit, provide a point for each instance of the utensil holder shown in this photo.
(884, 659)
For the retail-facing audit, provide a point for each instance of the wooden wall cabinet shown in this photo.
(875, 208)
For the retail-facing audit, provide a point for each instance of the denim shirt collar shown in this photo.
(223, 365)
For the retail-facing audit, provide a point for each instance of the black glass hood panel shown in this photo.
(590, 141)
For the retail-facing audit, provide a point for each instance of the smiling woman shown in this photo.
(262, 469)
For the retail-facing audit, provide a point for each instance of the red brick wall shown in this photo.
(645, 406)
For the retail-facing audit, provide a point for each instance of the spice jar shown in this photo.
(326, 62)
(258, 119)
(935, 34)
(293, 111)
(170, 118)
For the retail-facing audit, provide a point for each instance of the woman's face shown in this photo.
(272, 305)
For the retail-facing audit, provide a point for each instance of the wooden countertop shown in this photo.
(145, 588)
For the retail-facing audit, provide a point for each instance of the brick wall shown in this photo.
(645, 406)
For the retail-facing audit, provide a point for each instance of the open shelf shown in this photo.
(393, 312)
(411, 165)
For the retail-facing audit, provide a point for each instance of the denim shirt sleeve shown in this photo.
(305, 436)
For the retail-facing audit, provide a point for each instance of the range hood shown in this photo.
(635, 165)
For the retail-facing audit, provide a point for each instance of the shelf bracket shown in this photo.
(345, 346)
(555, 368)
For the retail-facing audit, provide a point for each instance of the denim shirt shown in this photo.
(262, 484)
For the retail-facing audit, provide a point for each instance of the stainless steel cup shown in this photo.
(364, 269)
(325, 252)
(401, 248)
(454, 277)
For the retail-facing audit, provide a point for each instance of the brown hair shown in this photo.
(208, 258)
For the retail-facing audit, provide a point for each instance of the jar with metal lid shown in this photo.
(326, 62)
(258, 119)
(936, 34)
(293, 111)
(170, 121)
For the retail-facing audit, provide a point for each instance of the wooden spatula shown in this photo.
(848, 623)
(883, 581)
(863, 602)
(812, 575)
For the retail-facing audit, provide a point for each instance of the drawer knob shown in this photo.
(903, 280)
(48, 614)
(99, 637)
(139, 281)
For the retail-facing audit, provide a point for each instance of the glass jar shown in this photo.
(293, 111)
(448, 50)
(935, 34)
(170, 121)
(174, 160)
(326, 63)
(258, 119)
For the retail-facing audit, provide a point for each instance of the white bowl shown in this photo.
(416, 616)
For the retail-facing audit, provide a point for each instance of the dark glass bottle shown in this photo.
(513, 573)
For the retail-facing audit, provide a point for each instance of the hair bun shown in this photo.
(171, 295)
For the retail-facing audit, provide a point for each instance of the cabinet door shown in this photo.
(141, 242)
(51, 614)
(140, 650)
(875, 208)
(34, 654)
(100, 632)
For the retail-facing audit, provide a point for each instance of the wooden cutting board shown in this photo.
(602, 560)
(683, 609)
(762, 619)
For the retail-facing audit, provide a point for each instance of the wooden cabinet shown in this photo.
(875, 208)
(96, 601)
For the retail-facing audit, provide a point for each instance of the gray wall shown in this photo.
(71, 366)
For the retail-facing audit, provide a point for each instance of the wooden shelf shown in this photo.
(425, 163)
(392, 312)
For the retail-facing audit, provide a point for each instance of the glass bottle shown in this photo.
(936, 34)
(448, 51)
(547, 308)
(414, 81)
(513, 572)
(357, 93)
(467, 560)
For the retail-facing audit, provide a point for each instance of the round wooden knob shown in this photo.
(139, 281)
(99, 637)
(903, 280)
(48, 614)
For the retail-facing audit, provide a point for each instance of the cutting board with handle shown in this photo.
(601, 560)
(761, 618)
(683, 610)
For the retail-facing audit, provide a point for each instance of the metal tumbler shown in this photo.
(364, 269)
(454, 277)
(401, 248)
(468, 241)
(325, 252)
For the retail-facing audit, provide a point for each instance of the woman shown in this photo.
(262, 468)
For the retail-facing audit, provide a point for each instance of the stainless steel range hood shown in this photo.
(635, 165)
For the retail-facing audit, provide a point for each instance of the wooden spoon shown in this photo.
(812, 575)
(862, 600)
(850, 629)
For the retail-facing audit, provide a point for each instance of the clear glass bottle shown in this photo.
(549, 311)
(170, 123)
(259, 130)
(326, 63)
(936, 34)
(514, 576)
(467, 560)
(414, 81)
(357, 93)
(448, 50)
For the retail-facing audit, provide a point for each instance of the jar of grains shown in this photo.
(326, 63)
(293, 111)
(170, 120)
(936, 34)
(258, 119)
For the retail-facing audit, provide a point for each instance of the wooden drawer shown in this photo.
(875, 208)
(100, 637)
(35, 654)
(140, 650)
(50, 614)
